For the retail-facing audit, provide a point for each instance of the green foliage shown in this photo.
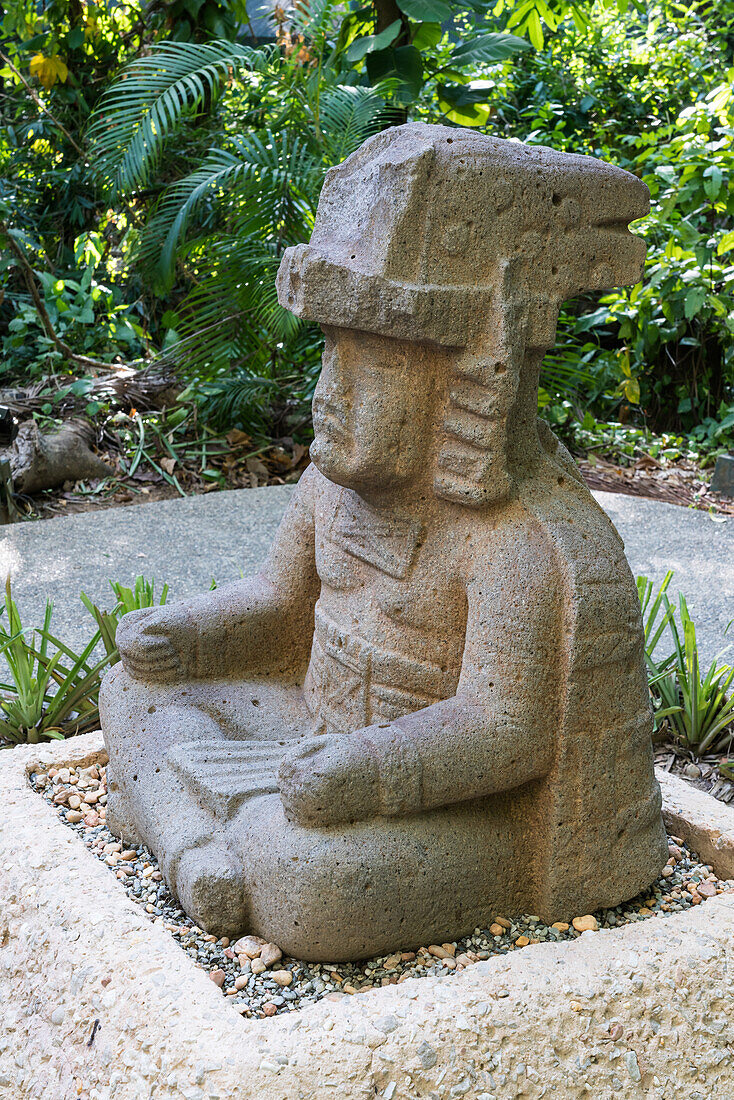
(185, 156)
(678, 325)
(626, 443)
(142, 594)
(695, 707)
(89, 313)
(53, 692)
(141, 113)
(651, 90)
(279, 117)
(51, 695)
(232, 216)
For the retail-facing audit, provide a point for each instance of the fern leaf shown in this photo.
(146, 106)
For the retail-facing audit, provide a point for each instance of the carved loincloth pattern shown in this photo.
(352, 683)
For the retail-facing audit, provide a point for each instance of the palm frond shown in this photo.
(276, 172)
(348, 116)
(146, 106)
(316, 19)
(233, 316)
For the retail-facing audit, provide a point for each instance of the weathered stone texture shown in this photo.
(431, 705)
(541, 1018)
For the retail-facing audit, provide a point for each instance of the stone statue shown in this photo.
(430, 707)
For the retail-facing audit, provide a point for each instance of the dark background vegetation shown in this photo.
(158, 157)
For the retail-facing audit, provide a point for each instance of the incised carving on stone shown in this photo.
(430, 706)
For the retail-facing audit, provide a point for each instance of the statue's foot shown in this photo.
(210, 885)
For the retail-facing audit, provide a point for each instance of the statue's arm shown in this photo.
(496, 733)
(254, 625)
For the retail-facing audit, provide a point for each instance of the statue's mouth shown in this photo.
(328, 420)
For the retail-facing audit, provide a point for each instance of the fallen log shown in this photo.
(44, 461)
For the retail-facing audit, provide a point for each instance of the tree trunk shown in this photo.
(386, 12)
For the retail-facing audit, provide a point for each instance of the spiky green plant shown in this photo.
(697, 708)
(50, 695)
(142, 594)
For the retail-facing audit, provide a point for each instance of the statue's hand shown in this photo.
(329, 779)
(154, 643)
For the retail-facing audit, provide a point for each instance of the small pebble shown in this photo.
(282, 977)
(438, 952)
(251, 946)
(586, 924)
(270, 954)
(241, 970)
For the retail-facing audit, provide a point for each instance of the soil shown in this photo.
(681, 483)
(239, 467)
(702, 772)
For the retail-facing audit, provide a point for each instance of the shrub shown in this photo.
(53, 692)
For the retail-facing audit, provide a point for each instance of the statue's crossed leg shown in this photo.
(209, 746)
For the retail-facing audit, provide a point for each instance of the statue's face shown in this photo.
(371, 410)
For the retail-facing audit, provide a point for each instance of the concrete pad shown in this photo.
(186, 542)
(700, 549)
(533, 1023)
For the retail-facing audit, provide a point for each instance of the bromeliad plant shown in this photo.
(697, 709)
(51, 695)
(53, 692)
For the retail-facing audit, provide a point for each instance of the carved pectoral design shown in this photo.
(389, 543)
(352, 682)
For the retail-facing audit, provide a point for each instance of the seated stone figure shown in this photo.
(430, 707)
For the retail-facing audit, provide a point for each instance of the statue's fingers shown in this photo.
(144, 671)
(144, 644)
(263, 783)
(262, 750)
(153, 658)
(131, 623)
(151, 666)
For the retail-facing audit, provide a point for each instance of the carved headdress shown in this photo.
(452, 237)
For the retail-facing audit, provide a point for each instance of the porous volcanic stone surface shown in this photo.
(432, 699)
(643, 1012)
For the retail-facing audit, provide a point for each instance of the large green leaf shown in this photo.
(404, 63)
(426, 11)
(461, 95)
(488, 48)
(372, 42)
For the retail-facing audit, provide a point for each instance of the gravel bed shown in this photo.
(260, 981)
